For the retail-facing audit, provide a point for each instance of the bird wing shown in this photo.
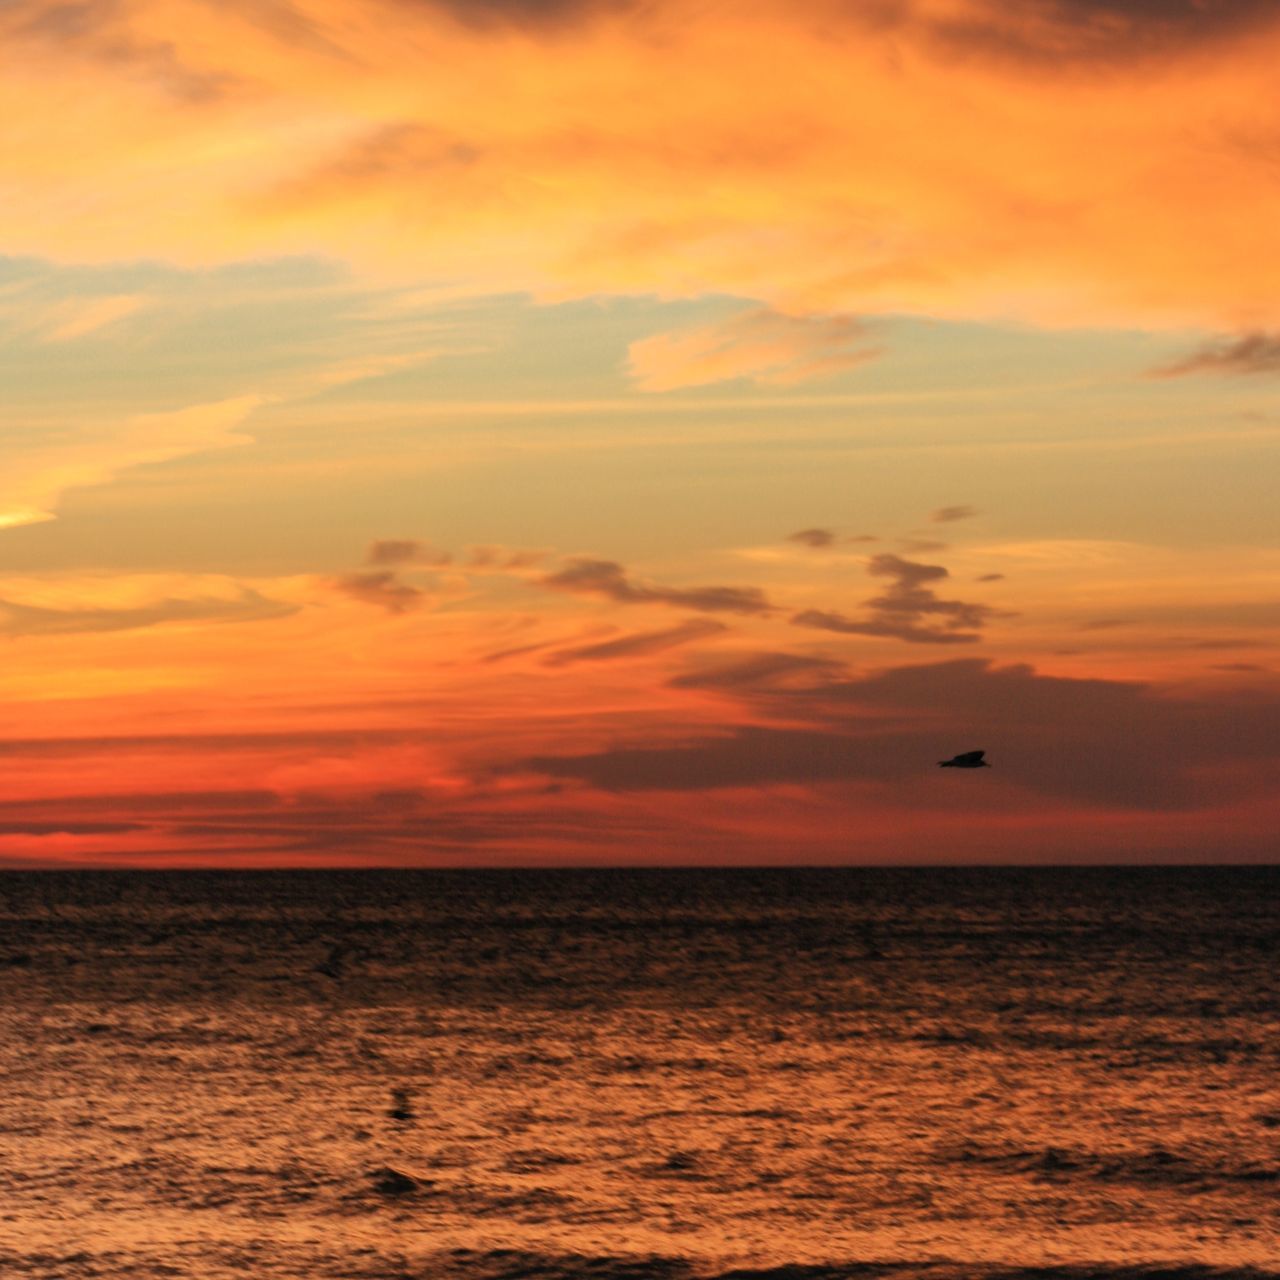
(966, 757)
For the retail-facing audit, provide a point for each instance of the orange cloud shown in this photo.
(1062, 161)
(762, 345)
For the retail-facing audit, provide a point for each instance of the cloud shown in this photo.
(1048, 34)
(991, 577)
(638, 645)
(381, 588)
(946, 515)
(928, 158)
(762, 345)
(33, 484)
(757, 672)
(905, 609)
(503, 558)
(406, 551)
(18, 619)
(1096, 744)
(1249, 353)
(79, 319)
(608, 578)
(813, 537)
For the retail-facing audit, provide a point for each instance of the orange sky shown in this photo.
(588, 431)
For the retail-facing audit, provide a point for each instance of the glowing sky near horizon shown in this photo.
(474, 432)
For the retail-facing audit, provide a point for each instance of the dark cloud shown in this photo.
(639, 644)
(813, 537)
(406, 551)
(1238, 666)
(608, 578)
(863, 537)
(381, 588)
(947, 515)
(991, 577)
(760, 671)
(1048, 34)
(1249, 353)
(516, 651)
(541, 15)
(1094, 743)
(1106, 624)
(33, 620)
(909, 610)
(921, 546)
(825, 620)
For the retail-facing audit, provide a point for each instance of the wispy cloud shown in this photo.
(381, 588)
(609, 579)
(816, 538)
(78, 319)
(36, 620)
(765, 346)
(640, 644)
(406, 551)
(948, 515)
(1249, 353)
(33, 485)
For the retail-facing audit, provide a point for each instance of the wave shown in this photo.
(1154, 1168)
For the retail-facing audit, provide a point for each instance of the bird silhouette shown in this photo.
(965, 760)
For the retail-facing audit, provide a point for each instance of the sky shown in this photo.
(583, 432)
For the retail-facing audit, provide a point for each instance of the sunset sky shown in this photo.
(466, 432)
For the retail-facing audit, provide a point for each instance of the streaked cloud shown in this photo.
(639, 644)
(79, 319)
(34, 620)
(381, 588)
(948, 515)
(1249, 353)
(816, 538)
(764, 346)
(607, 578)
(406, 551)
(33, 484)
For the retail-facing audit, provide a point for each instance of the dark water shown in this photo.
(641, 1075)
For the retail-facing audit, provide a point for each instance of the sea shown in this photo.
(781, 1074)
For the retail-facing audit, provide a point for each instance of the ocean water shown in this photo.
(641, 1075)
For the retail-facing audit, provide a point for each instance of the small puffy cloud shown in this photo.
(1249, 353)
(813, 537)
(763, 345)
(946, 515)
(638, 645)
(908, 610)
(406, 551)
(609, 579)
(381, 588)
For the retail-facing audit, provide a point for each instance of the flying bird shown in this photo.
(965, 760)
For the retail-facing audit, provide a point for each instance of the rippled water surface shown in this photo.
(640, 1075)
